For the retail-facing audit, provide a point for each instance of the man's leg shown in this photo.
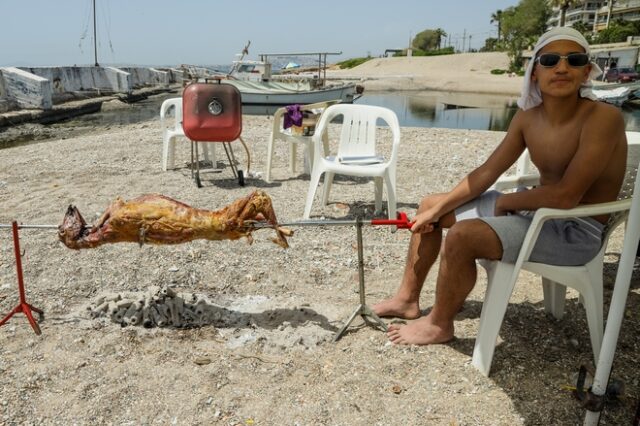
(465, 242)
(422, 254)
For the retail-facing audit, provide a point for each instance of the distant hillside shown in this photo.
(463, 72)
(424, 65)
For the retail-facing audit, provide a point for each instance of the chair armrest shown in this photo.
(545, 214)
(516, 181)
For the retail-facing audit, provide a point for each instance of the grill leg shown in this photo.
(232, 160)
(198, 182)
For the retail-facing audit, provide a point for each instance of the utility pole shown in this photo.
(464, 39)
(469, 49)
(95, 41)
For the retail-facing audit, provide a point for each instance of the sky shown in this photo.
(212, 32)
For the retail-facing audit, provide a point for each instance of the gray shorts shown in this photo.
(566, 242)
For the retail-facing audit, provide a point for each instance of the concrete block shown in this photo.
(26, 89)
(120, 80)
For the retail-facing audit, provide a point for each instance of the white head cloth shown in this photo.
(531, 96)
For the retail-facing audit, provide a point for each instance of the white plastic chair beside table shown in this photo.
(279, 133)
(357, 154)
(586, 279)
(172, 129)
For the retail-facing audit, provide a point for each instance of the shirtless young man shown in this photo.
(579, 147)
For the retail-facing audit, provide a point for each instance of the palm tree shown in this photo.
(564, 5)
(440, 34)
(496, 17)
(609, 12)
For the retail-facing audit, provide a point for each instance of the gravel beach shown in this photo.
(265, 355)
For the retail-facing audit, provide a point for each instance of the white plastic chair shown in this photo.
(279, 133)
(586, 279)
(357, 155)
(173, 130)
(617, 306)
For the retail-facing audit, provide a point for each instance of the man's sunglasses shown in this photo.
(549, 60)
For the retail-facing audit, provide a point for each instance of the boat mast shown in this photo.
(95, 42)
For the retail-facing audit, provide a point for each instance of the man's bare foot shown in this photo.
(419, 332)
(397, 308)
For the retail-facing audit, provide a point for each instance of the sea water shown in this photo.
(413, 108)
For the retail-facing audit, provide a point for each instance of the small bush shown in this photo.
(498, 72)
(350, 63)
(438, 52)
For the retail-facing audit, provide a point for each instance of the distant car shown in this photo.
(621, 75)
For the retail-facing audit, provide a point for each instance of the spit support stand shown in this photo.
(363, 310)
(368, 316)
(22, 306)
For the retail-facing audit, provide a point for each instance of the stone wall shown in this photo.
(41, 87)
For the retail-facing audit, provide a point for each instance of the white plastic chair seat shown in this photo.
(586, 279)
(172, 130)
(357, 155)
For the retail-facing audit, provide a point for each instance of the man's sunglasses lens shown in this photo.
(574, 59)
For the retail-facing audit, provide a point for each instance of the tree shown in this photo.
(428, 39)
(521, 26)
(564, 5)
(618, 31)
(584, 30)
(490, 45)
(496, 17)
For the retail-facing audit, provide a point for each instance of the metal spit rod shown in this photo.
(401, 222)
(2, 225)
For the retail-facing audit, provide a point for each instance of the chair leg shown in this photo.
(391, 196)
(593, 307)
(313, 186)
(493, 309)
(168, 153)
(269, 157)
(554, 297)
(328, 181)
(209, 153)
(308, 158)
(377, 182)
(292, 157)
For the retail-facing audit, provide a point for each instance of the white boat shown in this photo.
(259, 87)
(288, 93)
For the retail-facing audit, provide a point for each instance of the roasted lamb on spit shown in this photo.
(157, 219)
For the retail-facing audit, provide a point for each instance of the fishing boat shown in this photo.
(618, 94)
(259, 86)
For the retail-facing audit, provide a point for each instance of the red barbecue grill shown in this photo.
(212, 112)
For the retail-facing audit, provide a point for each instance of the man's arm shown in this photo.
(480, 179)
(598, 141)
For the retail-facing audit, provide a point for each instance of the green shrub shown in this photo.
(498, 72)
(437, 52)
(354, 62)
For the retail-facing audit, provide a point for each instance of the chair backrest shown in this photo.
(176, 103)
(358, 132)
(629, 182)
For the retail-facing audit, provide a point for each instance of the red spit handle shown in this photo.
(402, 222)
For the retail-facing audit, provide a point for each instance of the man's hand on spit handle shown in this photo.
(425, 222)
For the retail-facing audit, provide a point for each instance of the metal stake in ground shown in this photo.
(23, 306)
